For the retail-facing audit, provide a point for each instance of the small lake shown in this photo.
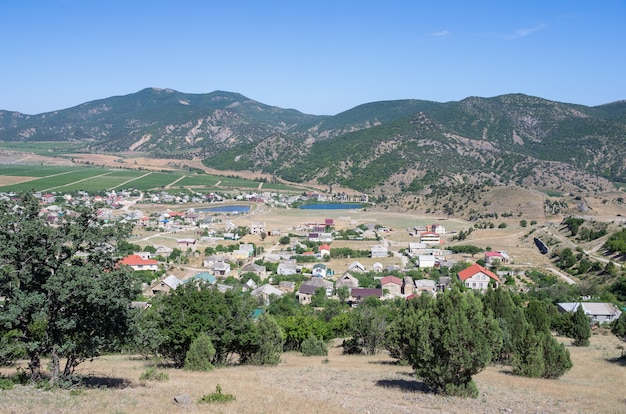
(331, 206)
(225, 209)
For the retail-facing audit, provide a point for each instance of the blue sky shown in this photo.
(319, 57)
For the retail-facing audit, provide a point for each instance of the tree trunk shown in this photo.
(34, 366)
(55, 368)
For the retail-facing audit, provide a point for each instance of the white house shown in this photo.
(430, 237)
(478, 278)
(599, 312)
(378, 251)
(426, 260)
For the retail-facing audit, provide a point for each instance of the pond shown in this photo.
(331, 206)
(225, 209)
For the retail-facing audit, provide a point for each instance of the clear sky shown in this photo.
(319, 57)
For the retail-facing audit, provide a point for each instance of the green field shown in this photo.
(41, 148)
(97, 179)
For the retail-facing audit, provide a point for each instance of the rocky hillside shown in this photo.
(390, 147)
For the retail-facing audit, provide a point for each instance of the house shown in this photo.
(430, 238)
(392, 285)
(286, 286)
(220, 268)
(324, 250)
(257, 227)
(378, 251)
(308, 289)
(496, 257)
(138, 263)
(425, 285)
(416, 248)
(239, 254)
(287, 268)
(184, 244)
(202, 277)
(347, 280)
(166, 285)
(265, 292)
(358, 294)
(305, 293)
(247, 247)
(356, 267)
(319, 270)
(478, 278)
(209, 261)
(260, 271)
(163, 251)
(377, 267)
(444, 283)
(598, 312)
(437, 228)
(426, 260)
(143, 255)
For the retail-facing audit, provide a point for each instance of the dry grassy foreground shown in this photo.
(336, 384)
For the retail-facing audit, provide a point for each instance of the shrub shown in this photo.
(313, 346)
(216, 397)
(271, 341)
(200, 354)
(152, 374)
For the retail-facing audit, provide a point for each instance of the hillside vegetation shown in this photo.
(382, 148)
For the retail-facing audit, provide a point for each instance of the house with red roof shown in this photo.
(478, 278)
(139, 263)
(391, 285)
(324, 250)
(430, 237)
(493, 257)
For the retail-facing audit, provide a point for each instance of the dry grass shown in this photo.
(334, 384)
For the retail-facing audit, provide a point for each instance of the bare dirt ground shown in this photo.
(334, 384)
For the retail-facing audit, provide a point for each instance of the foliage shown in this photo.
(55, 302)
(579, 328)
(271, 341)
(540, 356)
(180, 316)
(200, 354)
(466, 248)
(368, 327)
(447, 340)
(618, 328)
(152, 374)
(313, 346)
(216, 397)
(616, 243)
(299, 327)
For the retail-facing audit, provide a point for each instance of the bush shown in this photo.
(540, 356)
(313, 346)
(271, 341)
(216, 397)
(152, 374)
(200, 354)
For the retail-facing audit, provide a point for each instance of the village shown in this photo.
(245, 242)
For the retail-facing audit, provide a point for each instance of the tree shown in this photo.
(200, 354)
(271, 341)
(64, 294)
(368, 326)
(181, 315)
(447, 340)
(540, 355)
(579, 328)
(284, 240)
(618, 328)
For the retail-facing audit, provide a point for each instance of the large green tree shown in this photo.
(64, 294)
(447, 340)
(179, 317)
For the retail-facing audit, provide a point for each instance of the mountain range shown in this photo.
(388, 147)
